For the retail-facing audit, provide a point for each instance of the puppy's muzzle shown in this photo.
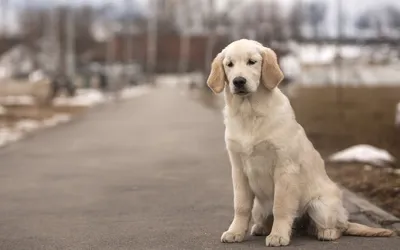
(240, 85)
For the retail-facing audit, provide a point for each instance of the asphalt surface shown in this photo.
(148, 173)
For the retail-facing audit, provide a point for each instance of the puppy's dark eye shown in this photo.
(251, 62)
(230, 64)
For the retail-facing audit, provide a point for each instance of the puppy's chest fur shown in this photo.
(248, 136)
(242, 135)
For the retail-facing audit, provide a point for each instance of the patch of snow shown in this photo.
(3, 110)
(350, 52)
(27, 125)
(177, 80)
(4, 72)
(84, 97)
(169, 80)
(36, 76)
(365, 154)
(290, 66)
(324, 54)
(7, 135)
(17, 100)
(312, 54)
(92, 97)
(367, 167)
(134, 92)
(23, 127)
(56, 119)
(358, 75)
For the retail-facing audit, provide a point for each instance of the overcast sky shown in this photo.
(352, 8)
(348, 3)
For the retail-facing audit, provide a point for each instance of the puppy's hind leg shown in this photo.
(263, 218)
(329, 216)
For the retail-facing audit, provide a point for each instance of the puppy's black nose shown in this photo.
(239, 82)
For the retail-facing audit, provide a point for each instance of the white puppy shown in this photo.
(275, 168)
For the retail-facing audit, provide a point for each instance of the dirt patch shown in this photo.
(335, 119)
(377, 184)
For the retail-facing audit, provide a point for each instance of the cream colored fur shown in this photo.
(275, 168)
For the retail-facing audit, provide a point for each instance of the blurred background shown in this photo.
(341, 59)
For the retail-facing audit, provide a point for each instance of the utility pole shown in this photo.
(128, 31)
(110, 46)
(236, 25)
(152, 40)
(3, 18)
(53, 35)
(338, 58)
(212, 25)
(302, 20)
(211, 35)
(339, 24)
(339, 37)
(184, 45)
(128, 40)
(111, 69)
(271, 20)
(70, 35)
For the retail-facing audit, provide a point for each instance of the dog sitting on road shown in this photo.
(275, 168)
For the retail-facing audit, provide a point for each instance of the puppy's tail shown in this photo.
(356, 229)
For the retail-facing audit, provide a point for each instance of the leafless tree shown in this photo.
(58, 25)
(166, 15)
(70, 30)
(152, 39)
(186, 8)
(223, 20)
(296, 20)
(33, 23)
(378, 19)
(393, 13)
(3, 17)
(316, 12)
(129, 31)
(211, 28)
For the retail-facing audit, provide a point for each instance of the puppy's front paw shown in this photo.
(230, 237)
(276, 241)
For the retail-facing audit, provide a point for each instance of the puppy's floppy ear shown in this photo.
(216, 79)
(271, 73)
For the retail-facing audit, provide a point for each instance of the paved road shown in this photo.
(149, 173)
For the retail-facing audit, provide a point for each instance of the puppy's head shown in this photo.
(242, 66)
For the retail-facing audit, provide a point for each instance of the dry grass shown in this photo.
(335, 119)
